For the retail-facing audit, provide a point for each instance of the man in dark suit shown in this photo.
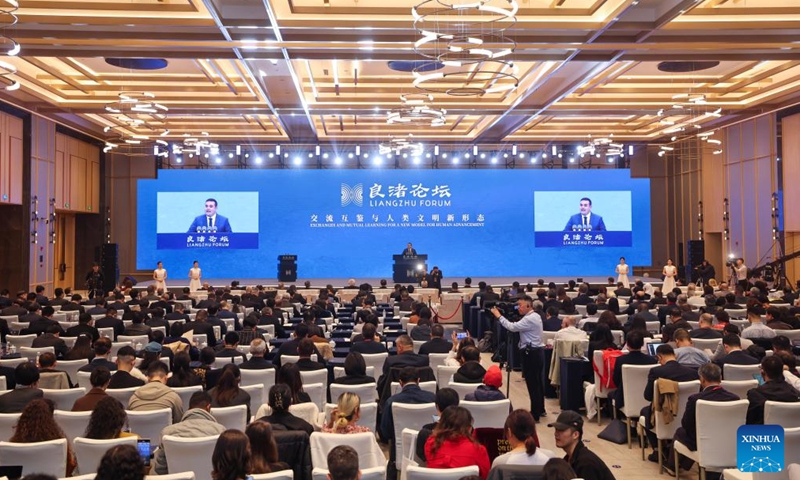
(585, 220)
(201, 326)
(27, 389)
(134, 301)
(730, 302)
(635, 342)
(706, 331)
(102, 350)
(551, 323)
(552, 301)
(437, 343)
(665, 310)
(775, 388)
(643, 312)
(369, 344)
(138, 327)
(291, 347)
(258, 349)
(229, 343)
(5, 300)
(405, 356)
(622, 291)
(41, 299)
(50, 339)
(734, 354)
(73, 304)
(185, 295)
(489, 295)
(409, 251)
(710, 390)
(210, 220)
(157, 319)
(59, 298)
(86, 326)
(122, 378)
(583, 297)
(99, 308)
(471, 371)
(268, 318)
(41, 324)
(110, 320)
(118, 303)
(410, 393)
(34, 313)
(178, 313)
(215, 321)
(305, 349)
(668, 368)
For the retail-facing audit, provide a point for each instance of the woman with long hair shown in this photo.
(355, 370)
(289, 375)
(639, 324)
(231, 457)
(613, 306)
(600, 339)
(227, 392)
(279, 400)
(37, 424)
(520, 431)
(107, 420)
(567, 307)
(345, 415)
(182, 374)
(82, 348)
(454, 355)
(121, 462)
(149, 358)
(207, 357)
(610, 318)
(451, 445)
(263, 449)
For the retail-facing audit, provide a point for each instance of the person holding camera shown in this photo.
(531, 345)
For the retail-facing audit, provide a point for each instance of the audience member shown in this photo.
(451, 445)
(569, 437)
(289, 375)
(155, 394)
(757, 328)
(558, 468)
(706, 329)
(127, 375)
(520, 431)
(50, 338)
(279, 400)
(82, 350)
(489, 390)
(102, 350)
(99, 379)
(569, 330)
(369, 342)
(107, 420)
(227, 392)
(231, 457)
(355, 371)
(305, 349)
(49, 376)
(635, 356)
(410, 393)
(37, 424)
(405, 356)
(263, 449)
(437, 343)
(734, 355)
(686, 353)
(27, 389)
(229, 343)
(343, 463)
(182, 373)
(258, 349)
(121, 462)
(471, 370)
(774, 388)
(345, 415)
(445, 397)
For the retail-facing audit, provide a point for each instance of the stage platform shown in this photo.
(594, 281)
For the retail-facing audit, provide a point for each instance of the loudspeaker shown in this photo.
(109, 265)
(695, 254)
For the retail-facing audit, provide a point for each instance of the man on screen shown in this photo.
(210, 221)
(585, 220)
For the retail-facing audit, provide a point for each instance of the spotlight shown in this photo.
(505, 155)
(178, 159)
(571, 159)
(466, 155)
(427, 155)
(358, 149)
(521, 155)
(483, 155)
(206, 155)
(246, 155)
(218, 160)
(271, 155)
(417, 160)
(560, 156)
(610, 159)
(533, 159)
(238, 149)
(455, 160)
(544, 154)
(554, 150)
(298, 160)
(436, 150)
(191, 155)
(366, 155)
(494, 160)
(474, 149)
(324, 155)
(337, 161)
(349, 155)
(405, 155)
(286, 155)
(258, 160)
(310, 155)
(444, 155)
(230, 155)
(377, 161)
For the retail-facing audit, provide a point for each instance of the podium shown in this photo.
(406, 268)
(287, 268)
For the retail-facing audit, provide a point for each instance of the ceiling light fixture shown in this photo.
(416, 109)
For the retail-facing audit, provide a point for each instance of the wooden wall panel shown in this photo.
(43, 184)
(77, 175)
(10, 159)
(791, 173)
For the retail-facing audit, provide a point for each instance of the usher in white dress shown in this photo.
(622, 271)
(669, 278)
(160, 275)
(194, 279)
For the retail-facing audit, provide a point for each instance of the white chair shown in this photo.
(134, 339)
(653, 327)
(234, 417)
(257, 396)
(69, 341)
(190, 454)
(32, 354)
(64, 399)
(115, 346)
(89, 452)
(220, 362)
(737, 313)
(7, 423)
(667, 431)
(784, 414)
(317, 392)
(413, 416)
(72, 367)
(717, 423)
(107, 332)
(408, 439)
(316, 376)
(422, 473)
(488, 414)
(790, 334)
(600, 392)
(280, 475)
(48, 457)
(375, 360)
(295, 358)
(186, 394)
(425, 386)
(739, 387)
(444, 374)
(72, 423)
(634, 377)
(308, 411)
(436, 359)
(339, 372)
(376, 473)
(462, 388)
(19, 341)
(264, 377)
(122, 394)
(83, 380)
(171, 476)
(149, 423)
(418, 344)
(12, 362)
(706, 343)
(3, 384)
(367, 392)
(740, 372)
(369, 414)
(369, 452)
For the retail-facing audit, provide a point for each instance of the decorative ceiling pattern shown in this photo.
(318, 71)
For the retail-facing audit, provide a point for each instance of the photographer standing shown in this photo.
(532, 348)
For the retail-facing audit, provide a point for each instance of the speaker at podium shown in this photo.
(408, 268)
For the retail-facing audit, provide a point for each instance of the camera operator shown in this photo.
(532, 348)
(741, 273)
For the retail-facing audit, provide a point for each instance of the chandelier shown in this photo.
(398, 145)
(694, 110)
(195, 144)
(602, 146)
(468, 38)
(416, 109)
(129, 112)
(8, 46)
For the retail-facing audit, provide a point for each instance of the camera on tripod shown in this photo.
(507, 309)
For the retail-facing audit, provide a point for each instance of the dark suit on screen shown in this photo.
(595, 221)
(222, 224)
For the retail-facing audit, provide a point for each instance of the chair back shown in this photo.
(257, 396)
(436, 359)
(600, 391)
(317, 392)
(72, 423)
(717, 423)
(264, 377)
(375, 360)
(488, 414)
(791, 334)
(308, 411)
(375, 473)
(20, 341)
(784, 414)
(234, 417)
(296, 358)
(7, 423)
(149, 423)
(107, 332)
(444, 374)
(186, 394)
(64, 399)
(122, 394)
(462, 388)
(339, 372)
(171, 476)
(667, 431)
(49, 458)
(115, 346)
(32, 354)
(281, 475)
(367, 392)
(653, 327)
(429, 386)
(12, 362)
(740, 372)
(422, 473)
(89, 452)
(220, 362)
(315, 376)
(413, 416)
(186, 454)
(3, 384)
(369, 414)
(634, 377)
(706, 343)
(132, 340)
(83, 380)
(369, 452)
(737, 313)
(71, 367)
(739, 387)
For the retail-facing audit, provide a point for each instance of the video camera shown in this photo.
(507, 309)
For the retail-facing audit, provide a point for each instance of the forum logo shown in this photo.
(759, 448)
(354, 195)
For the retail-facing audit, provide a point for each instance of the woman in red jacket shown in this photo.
(451, 445)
